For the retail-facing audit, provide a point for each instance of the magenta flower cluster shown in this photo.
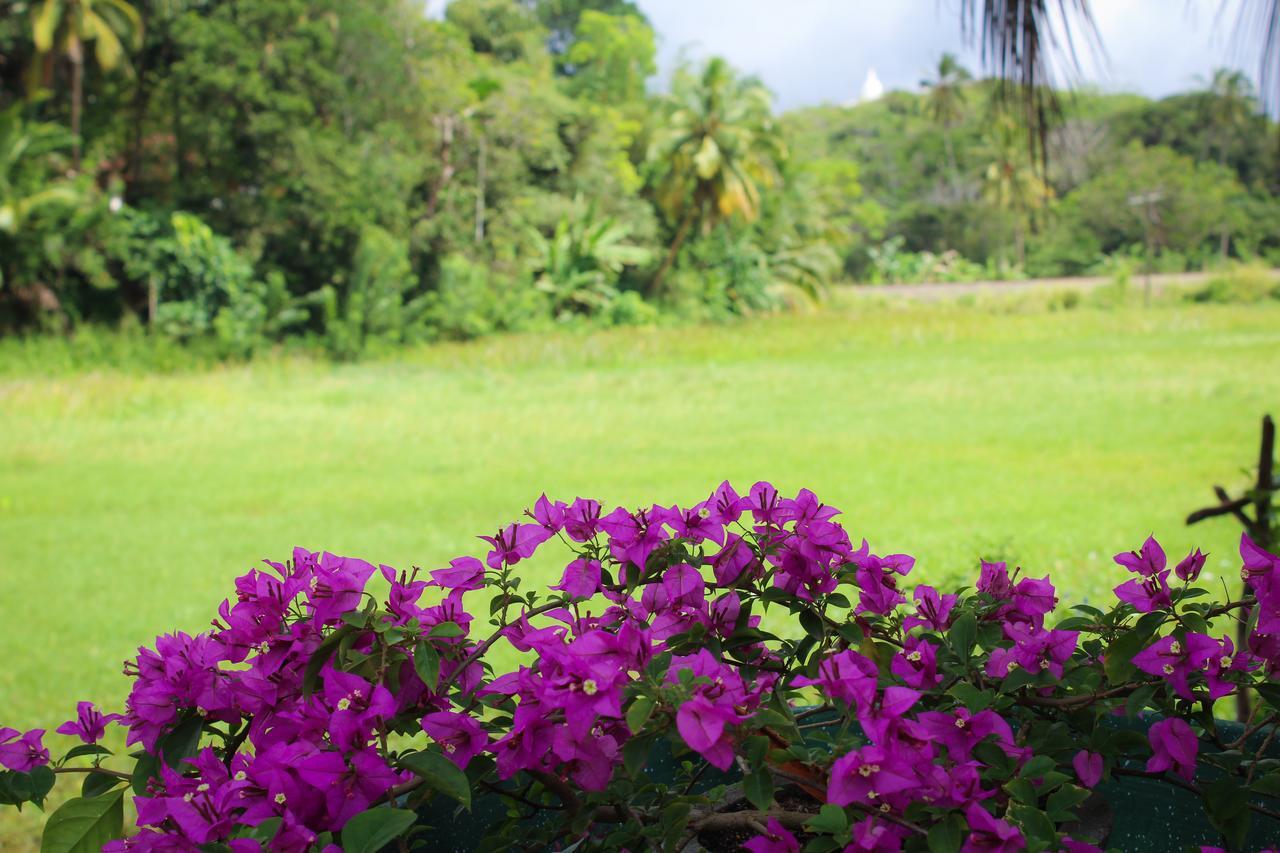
(330, 689)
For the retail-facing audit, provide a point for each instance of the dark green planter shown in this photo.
(1141, 815)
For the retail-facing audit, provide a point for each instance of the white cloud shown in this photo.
(814, 51)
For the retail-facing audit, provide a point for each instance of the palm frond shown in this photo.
(1024, 42)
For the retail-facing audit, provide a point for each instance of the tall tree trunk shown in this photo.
(682, 232)
(75, 51)
(446, 125)
(480, 178)
(952, 164)
(1020, 245)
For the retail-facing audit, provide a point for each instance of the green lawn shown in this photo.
(128, 502)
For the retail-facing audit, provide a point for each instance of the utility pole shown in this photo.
(1150, 219)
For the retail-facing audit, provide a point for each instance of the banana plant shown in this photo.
(64, 27)
(579, 266)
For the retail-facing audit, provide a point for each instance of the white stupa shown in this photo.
(872, 88)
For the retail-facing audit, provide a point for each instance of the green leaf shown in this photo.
(639, 712)
(1228, 807)
(42, 779)
(370, 831)
(447, 630)
(84, 825)
(147, 768)
(974, 700)
(426, 662)
(440, 774)
(1037, 767)
(1118, 660)
(830, 820)
(86, 749)
(266, 830)
(1066, 798)
(758, 786)
(1268, 785)
(1035, 824)
(963, 635)
(812, 624)
(181, 743)
(311, 676)
(635, 753)
(96, 784)
(1270, 692)
(355, 618)
(945, 837)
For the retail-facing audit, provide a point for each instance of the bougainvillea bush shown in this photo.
(745, 636)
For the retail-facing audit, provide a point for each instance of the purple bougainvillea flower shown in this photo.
(550, 515)
(581, 579)
(735, 562)
(514, 543)
(22, 752)
(1261, 571)
(1034, 649)
(356, 707)
(1070, 845)
(1176, 659)
(634, 536)
(1088, 767)
(777, 839)
(1033, 598)
(1223, 662)
(765, 504)
(683, 586)
(987, 833)
(582, 519)
(993, 579)
(1148, 561)
(872, 835)
(90, 724)
(704, 726)
(464, 574)
(960, 731)
(871, 776)
(726, 503)
(847, 676)
(698, 523)
(1175, 747)
(1148, 594)
(917, 663)
(876, 582)
(932, 610)
(338, 584)
(461, 738)
(1188, 568)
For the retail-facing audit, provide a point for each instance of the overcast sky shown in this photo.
(815, 51)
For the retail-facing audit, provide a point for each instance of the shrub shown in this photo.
(471, 301)
(1239, 284)
(747, 634)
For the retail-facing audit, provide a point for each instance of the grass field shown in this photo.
(129, 501)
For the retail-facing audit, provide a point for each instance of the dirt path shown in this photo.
(1159, 281)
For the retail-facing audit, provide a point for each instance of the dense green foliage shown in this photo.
(230, 174)
(955, 184)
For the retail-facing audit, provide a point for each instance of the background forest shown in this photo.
(354, 175)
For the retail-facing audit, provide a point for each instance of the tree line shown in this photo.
(238, 172)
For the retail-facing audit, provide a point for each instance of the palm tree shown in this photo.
(22, 195)
(1020, 37)
(946, 103)
(1014, 181)
(1231, 104)
(579, 266)
(62, 27)
(716, 150)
